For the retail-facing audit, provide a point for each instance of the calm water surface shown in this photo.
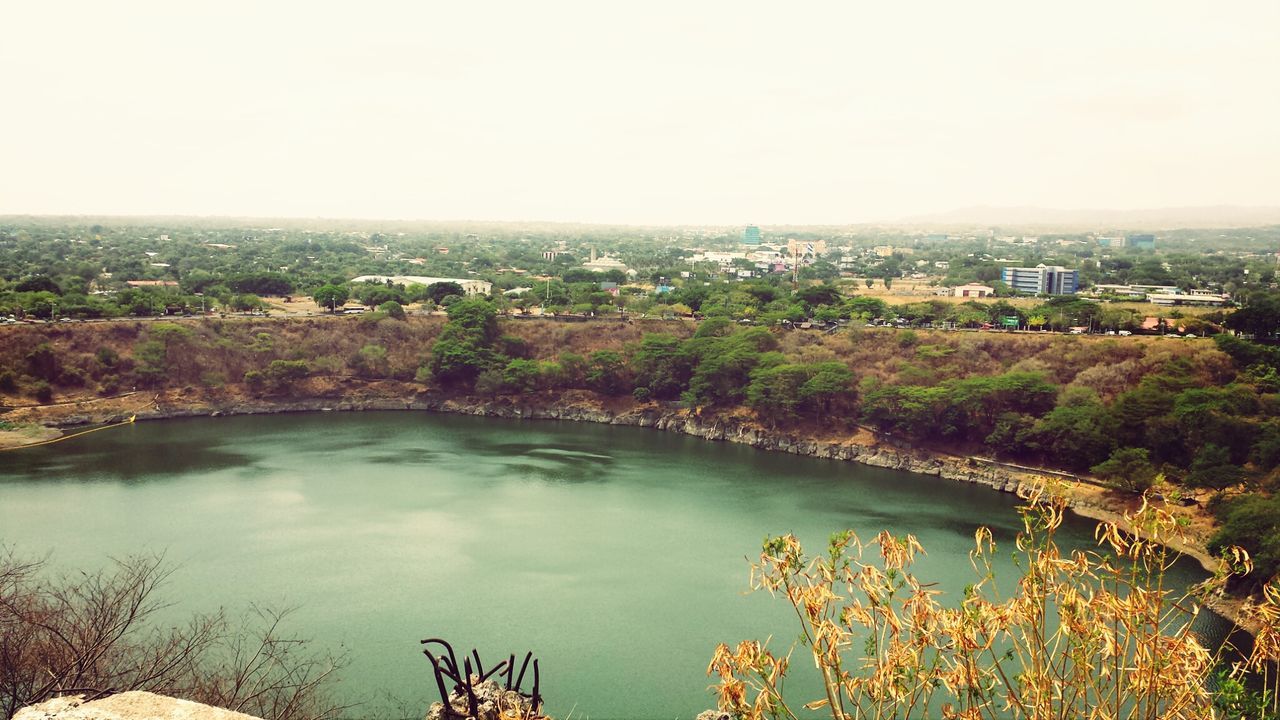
(617, 554)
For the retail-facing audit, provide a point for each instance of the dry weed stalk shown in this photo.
(1087, 634)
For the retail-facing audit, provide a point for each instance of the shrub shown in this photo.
(42, 391)
(255, 380)
(371, 361)
(423, 375)
(886, 647)
(393, 309)
(106, 357)
(43, 363)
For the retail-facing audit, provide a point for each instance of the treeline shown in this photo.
(719, 365)
(1204, 414)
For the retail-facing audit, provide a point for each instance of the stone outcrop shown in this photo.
(731, 429)
(493, 702)
(133, 705)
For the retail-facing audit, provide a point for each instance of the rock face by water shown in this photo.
(493, 703)
(133, 705)
(729, 429)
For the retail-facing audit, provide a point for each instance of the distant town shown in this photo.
(83, 269)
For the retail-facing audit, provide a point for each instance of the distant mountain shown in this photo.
(1221, 216)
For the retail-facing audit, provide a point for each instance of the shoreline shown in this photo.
(1088, 500)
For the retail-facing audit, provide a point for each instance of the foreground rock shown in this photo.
(493, 702)
(132, 705)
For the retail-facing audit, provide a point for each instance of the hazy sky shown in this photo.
(635, 112)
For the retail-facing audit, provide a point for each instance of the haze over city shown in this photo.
(643, 113)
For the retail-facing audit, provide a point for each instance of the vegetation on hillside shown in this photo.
(1203, 415)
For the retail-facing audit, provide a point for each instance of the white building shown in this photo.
(973, 290)
(470, 287)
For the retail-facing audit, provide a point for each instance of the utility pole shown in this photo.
(795, 265)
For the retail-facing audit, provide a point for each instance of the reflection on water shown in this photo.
(124, 460)
(617, 554)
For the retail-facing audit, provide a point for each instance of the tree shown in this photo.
(1128, 469)
(1253, 523)
(392, 309)
(607, 373)
(1212, 468)
(441, 290)
(465, 347)
(1260, 315)
(816, 295)
(331, 296)
(1077, 434)
(661, 365)
(39, 283)
(245, 302)
(95, 630)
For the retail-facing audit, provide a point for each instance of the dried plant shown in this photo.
(1085, 634)
(96, 633)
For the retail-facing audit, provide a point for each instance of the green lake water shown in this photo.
(618, 555)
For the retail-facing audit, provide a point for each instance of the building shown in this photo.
(751, 236)
(549, 254)
(1195, 297)
(469, 286)
(604, 264)
(1135, 292)
(1042, 279)
(806, 247)
(889, 250)
(973, 291)
(1141, 242)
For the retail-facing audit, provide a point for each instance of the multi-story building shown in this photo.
(1042, 279)
(751, 236)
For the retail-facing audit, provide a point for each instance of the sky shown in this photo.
(646, 112)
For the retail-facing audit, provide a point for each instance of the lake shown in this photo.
(617, 554)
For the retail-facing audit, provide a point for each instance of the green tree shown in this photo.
(331, 296)
(465, 347)
(1128, 469)
(1077, 433)
(1212, 468)
(1252, 522)
(607, 373)
(662, 365)
(392, 309)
